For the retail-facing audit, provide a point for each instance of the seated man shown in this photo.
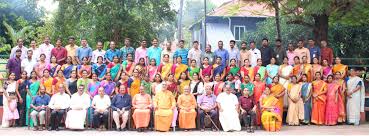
(100, 104)
(248, 109)
(58, 104)
(164, 104)
(207, 105)
(187, 104)
(121, 105)
(141, 103)
(39, 108)
(79, 104)
(228, 110)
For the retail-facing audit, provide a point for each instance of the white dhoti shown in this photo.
(229, 118)
(75, 119)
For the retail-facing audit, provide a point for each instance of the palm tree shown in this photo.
(14, 35)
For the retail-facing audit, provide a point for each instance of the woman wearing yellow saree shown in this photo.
(319, 100)
(47, 82)
(178, 68)
(297, 68)
(165, 67)
(135, 85)
(270, 118)
(338, 67)
(307, 68)
(183, 82)
(278, 91)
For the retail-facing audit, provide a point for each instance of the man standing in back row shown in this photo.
(181, 51)
(266, 52)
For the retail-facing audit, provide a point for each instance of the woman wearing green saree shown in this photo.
(33, 90)
(193, 69)
(259, 69)
(233, 69)
(114, 68)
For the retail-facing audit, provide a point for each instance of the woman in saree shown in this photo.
(270, 118)
(141, 67)
(218, 68)
(114, 68)
(47, 82)
(135, 85)
(218, 84)
(247, 84)
(128, 65)
(232, 68)
(341, 102)
(84, 80)
(319, 100)
(72, 82)
(285, 72)
(172, 85)
(306, 91)
(295, 111)
(22, 88)
(307, 69)
(53, 66)
(182, 82)
(93, 86)
(192, 69)
(152, 69)
(316, 67)
(339, 67)
(327, 70)
(178, 68)
(261, 70)
(84, 67)
(33, 87)
(331, 113)
(196, 86)
(298, 68)
(259, 87)
(206, 69)
(165, 67)
(278, 91)
(68, 67)
(124, 80)
(246, 70)
(41, 66)
(59, 79)
(272, 71)
(156, 84)
(99, 68)
(355, 98)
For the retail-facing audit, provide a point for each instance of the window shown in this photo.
(239, 32)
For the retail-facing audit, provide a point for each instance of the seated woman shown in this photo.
(270, 117)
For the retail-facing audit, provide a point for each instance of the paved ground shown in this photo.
(286, 130)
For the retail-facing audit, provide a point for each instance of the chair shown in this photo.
(111, 120)
(48, 115)
(215, 122)
(131, 123)
(29, 118)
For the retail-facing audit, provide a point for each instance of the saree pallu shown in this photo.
(319, 102)
(56, 83)
(307, 70)
(218, 88)
(259, 88)
(52, 69)
(152, 72)
(82, 67)
(93, 88)
(178, 69)
(340, 68)
(295, 109)
(249, 86)
(126, 66)
(135, 87)
(165, 69)
(99, 70)
(331, 113)
(305, 92)
(48, 83)
(183, 84)
(260, 70)
(233, 70)
(276, 90)
(193, 70)
(272, 71)
(341, 103)
(207, 70)
(285, 71)
(218, 69)
(114, 71)
(33, 89)
(67, 70)
(297, 70)
(271, 120)
(355, 104)
(247, 71)
(327, 71)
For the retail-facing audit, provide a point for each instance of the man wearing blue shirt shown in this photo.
(154, 52)
(181, 51)
(127, 49)
(121, 105)
(109, 55)
(39, 105)
(84, 51)
(222, 53)
(314, 50)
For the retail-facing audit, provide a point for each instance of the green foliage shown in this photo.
(16, 34)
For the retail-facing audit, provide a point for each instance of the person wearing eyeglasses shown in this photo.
(76, 116)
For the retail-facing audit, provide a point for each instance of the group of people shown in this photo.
(247, 87)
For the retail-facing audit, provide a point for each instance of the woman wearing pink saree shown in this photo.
(327, 70)
(331, 112)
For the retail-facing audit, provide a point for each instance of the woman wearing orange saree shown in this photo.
(307, 68)
(278, 91)
(218, 85)
(331, 113)
(319, 100)
(259, 87)
(47, 82)
(247, 70)
(178, 68)
(270, 118)
(135, 85)
(182, 82)
(341, 102)
(165, 67)
(297, 68)
(316, 67)
(338, 67)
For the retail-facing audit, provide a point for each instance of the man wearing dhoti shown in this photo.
(79, 104)
(187, 104)
(164, 104)
(141, 104)
(228, 110)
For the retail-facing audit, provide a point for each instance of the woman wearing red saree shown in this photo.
(206, 69)
(319, 100)
(218, 85)
(259, 87)
(247, 70)
(331, 113)
(341, 102)
(316, 67)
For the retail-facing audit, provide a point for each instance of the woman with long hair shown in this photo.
(10, 96)
(319, 100)
(68, 67)
(331, 112)
(33, 87)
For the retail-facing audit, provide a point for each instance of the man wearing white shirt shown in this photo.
(35, 51)
(58, 104)
(98, 52)
(195, 54)
(21, 47)
(100, 104)
(46, 48)
(234, 53)
(79, 104)
(29, 63)
(255, 54)
(167, 50)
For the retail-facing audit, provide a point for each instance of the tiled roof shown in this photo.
(249, 8)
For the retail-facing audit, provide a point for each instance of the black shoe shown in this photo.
(50, 129)
(57, 129)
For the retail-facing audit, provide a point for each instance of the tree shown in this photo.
(275, 5)
(14, 35)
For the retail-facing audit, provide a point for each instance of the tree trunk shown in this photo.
(180, 20)
(320, 27)
(277, 18)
